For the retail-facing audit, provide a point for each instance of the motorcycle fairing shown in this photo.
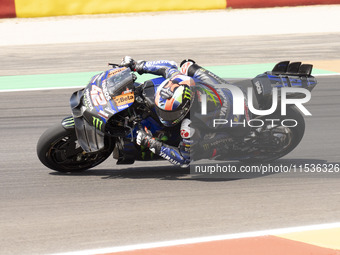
(284, 74)
(90, 138)
(68, 122)
(106, 94)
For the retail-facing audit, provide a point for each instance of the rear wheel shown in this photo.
(283, 139)
(58, 149)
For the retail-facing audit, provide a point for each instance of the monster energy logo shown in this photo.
(68, 122)
(97, 123)
(187, 94)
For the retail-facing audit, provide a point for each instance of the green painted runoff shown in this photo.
(68, 80)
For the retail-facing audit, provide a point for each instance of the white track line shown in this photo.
(204, 239)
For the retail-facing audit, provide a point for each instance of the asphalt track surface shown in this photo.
(42, 211)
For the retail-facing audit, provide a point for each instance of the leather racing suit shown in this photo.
(192, 138)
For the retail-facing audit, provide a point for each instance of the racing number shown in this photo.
(97, 96)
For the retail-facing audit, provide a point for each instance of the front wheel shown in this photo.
(58, 149)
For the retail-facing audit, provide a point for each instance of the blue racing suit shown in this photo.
(190, 136)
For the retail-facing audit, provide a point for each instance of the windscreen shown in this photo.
(118, 80)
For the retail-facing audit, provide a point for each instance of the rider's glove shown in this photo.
(136, 66)
(144, 138)
(127, 61)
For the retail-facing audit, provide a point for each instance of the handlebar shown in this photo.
(113, 65)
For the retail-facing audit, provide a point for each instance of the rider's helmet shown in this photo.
(174, 98)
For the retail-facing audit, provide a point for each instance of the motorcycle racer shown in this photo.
(174, 99)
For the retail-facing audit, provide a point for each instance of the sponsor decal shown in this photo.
(103, 114)
(87, 100)
(224, 108)
(111, 111)
(184, 133)
(105, 90)
(97, 123)
(187, 94)
(167, 157)
(115, 71)
(69, 122)
(122, 107)
(124, 99)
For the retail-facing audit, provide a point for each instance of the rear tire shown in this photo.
(296, 134)
(58, 149)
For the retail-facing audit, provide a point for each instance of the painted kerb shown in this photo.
(7, 9)
(276, 3)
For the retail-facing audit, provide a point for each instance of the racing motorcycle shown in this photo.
(109, 111)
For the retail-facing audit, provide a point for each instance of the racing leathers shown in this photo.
(176, 155)
(192, 138)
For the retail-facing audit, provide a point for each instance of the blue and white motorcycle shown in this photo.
(107, 113)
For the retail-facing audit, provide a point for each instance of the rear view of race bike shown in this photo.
(109, 111)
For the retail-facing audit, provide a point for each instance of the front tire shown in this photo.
(58, 149)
